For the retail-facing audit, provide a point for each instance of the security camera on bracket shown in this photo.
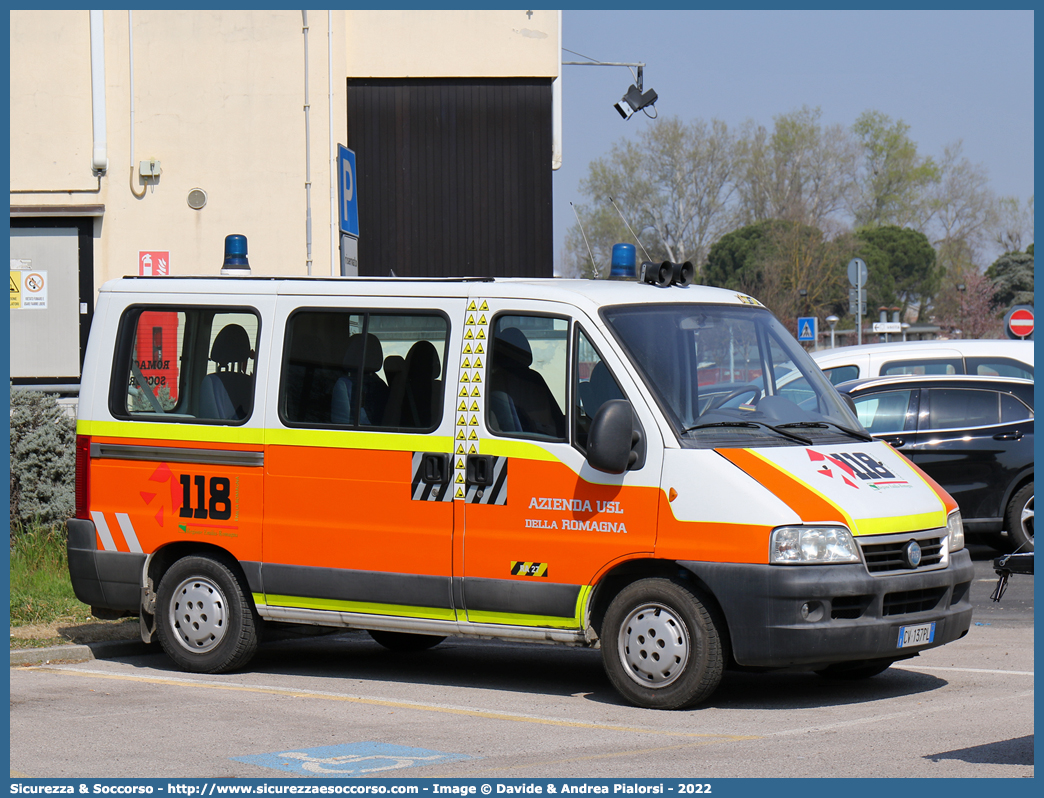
(635, 100)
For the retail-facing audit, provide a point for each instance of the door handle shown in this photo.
(895, 443)
(479, 469)
(435, 468)
(1008, 436)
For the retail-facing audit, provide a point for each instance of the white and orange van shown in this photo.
(654, 468)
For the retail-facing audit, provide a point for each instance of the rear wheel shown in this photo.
(853, 671)
(204, 619)
(1020, 519)
(660, 645)
(405, 642)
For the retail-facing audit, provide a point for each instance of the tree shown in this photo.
(893, 176)
(774, 260)
(902, 266)
(672, 185)
(802, 172)
(963, 212)
(1013, 224)
(968, 309)
(1012, 278)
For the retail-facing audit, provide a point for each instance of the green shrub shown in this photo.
(41, 591)
(43, 460)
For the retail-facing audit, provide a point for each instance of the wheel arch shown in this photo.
(162, 559)
(1018, 483)
(626, 573)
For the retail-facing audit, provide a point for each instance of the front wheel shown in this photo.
(1020, 519)
(660, 645)
(204, 619)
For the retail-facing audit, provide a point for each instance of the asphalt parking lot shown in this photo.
(340, 705)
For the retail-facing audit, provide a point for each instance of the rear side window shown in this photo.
(842, 374)
(886, 411)
(919, 367)
(956, 408)
(364, 369)
(999, 367)
(180, 364)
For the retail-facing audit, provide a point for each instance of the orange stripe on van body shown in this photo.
(709, 542)
(809, 505)
(151, 493)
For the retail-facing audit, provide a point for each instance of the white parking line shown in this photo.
(930, 668)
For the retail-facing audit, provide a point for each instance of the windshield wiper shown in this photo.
(823, 424)
(752, 425)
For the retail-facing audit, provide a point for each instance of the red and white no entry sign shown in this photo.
(1020, 322)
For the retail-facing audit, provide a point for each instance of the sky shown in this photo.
(949, 75)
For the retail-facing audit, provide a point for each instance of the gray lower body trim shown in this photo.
(350, 620)
(532, 597)
(372, 587)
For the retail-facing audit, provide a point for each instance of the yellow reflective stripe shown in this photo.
(901, 523)
(191, 433)
(362, 607)
(525, 450)
(354, 439)
(512, 619)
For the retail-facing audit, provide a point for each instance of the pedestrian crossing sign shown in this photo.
(806, 327)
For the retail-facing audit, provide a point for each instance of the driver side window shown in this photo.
(593, 385)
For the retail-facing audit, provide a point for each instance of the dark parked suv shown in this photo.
(972, 435)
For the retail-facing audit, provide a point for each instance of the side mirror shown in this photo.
(611, 439)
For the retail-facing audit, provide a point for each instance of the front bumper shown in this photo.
(108, 580)
(851, 615)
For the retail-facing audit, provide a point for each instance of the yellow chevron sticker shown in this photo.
(463, 406)
(459, 494)
(462, 421)
(474, 406)
(484, 306)
(460, 449)
(460, 435)
(476, 392)
(478, 363)
(471, 320)
(464, 377)
(473, 450)
(478, 349)
(459, 463)
(467, 349)
(482, 319)
(473, 436)
(472, 305)
(481, 333)
(468, 335)
(460, 477)
(473, 422)
(477, 377)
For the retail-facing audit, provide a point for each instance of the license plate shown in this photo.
(919, 635)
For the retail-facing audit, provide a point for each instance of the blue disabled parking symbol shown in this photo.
(346, 761)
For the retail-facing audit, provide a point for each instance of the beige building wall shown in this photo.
(218, 99)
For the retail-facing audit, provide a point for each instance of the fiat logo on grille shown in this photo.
(912, 554)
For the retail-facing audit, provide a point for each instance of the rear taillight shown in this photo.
(83, 475)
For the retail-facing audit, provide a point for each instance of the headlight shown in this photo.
(812, 545)
(954, 531)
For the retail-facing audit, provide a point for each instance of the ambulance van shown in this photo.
(648, 467)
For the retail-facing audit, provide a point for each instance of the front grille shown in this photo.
(884, 553)
(908, 601)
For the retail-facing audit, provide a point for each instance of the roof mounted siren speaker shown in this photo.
(667, 274)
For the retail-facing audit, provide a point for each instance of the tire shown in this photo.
(1020, 519)
(405, 642)
(205, 620)
(854, 671)
(660, 645)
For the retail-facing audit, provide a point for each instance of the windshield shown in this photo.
(730, 376)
